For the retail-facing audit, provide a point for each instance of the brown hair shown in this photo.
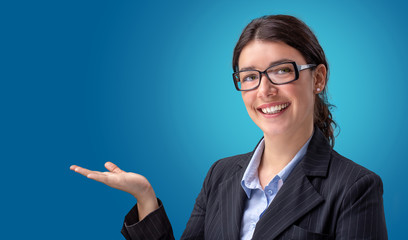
(295, 33)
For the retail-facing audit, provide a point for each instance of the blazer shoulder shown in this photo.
(348, 170)
(226, 168)
(230, 165)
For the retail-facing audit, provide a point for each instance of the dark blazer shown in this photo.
(327, 196)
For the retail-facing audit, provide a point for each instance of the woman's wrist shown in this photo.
(146, 203)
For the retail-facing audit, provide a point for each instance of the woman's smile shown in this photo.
(273, 109)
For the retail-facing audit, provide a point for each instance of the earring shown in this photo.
(318, 89)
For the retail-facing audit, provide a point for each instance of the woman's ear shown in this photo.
(319, 78)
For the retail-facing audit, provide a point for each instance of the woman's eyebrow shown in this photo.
(270, 64)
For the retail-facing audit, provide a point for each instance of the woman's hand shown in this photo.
(132, 183)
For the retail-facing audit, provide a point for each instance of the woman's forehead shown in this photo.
(261, 54)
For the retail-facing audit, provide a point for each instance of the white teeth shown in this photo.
(274, 109)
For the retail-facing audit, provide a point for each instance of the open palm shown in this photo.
(132, 183)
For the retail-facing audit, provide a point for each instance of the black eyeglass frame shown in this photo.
(298, 68)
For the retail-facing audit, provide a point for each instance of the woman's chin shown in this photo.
(274, 131)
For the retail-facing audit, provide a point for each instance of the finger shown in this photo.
(100, 177)
(82, 171)
(112, 167)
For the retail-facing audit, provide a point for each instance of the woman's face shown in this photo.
(296, 99)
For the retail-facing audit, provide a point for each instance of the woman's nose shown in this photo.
(266, 88)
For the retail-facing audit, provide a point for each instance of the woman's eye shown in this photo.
(249, 78)
(283, 70)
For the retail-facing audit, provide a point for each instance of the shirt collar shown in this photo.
(250, 180)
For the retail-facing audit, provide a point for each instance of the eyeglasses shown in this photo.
(278, 74)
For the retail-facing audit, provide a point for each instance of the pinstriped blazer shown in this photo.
(327, 196)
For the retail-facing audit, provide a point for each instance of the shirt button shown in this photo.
(270, 191)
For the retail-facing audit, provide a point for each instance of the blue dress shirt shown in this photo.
(258, 198)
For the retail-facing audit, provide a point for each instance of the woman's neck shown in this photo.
(280, 149)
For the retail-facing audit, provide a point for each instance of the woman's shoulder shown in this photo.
(225, 168)
(349, 172)
(239, 160)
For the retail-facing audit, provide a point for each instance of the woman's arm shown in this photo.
(148, 219)
(132, 183)
(362, 211)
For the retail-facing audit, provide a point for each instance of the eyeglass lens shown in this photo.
(278, 74)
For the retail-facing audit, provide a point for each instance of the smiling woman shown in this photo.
(293, 185)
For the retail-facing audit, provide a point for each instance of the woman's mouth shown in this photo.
(274, 109)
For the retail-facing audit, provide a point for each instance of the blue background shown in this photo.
(147, 85)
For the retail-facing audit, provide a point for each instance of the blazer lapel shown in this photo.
(297, 195)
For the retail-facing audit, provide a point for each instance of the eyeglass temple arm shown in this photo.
(306, 66)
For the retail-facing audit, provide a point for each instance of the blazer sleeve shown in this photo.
(156, 225)
(362, 212)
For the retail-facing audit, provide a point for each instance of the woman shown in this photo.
(293, 185)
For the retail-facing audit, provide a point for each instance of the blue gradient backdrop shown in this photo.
(148, 86)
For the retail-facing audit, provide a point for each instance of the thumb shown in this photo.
(113, 168)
